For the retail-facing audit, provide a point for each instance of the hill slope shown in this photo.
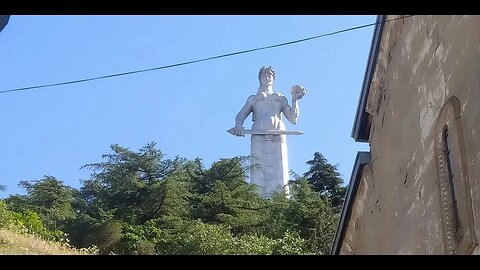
(14, 243)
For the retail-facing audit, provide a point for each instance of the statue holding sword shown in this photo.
(268, 149)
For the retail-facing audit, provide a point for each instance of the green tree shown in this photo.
(106, 237)
(143, 239)
(135, 187)
(220, 195)
(139, 202)
(291, 244)
(125, 192)
(198, 238)
(326, 180)
(6, 216)
(48, 197)
(18, 203)
(306, 222)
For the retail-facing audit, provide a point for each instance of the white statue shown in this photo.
(268, 149)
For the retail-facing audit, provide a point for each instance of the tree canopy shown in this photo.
(325, 179)
(139, 202)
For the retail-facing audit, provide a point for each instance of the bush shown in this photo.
(291, 244)
(137, 239)
(106, 237)
(6, 216)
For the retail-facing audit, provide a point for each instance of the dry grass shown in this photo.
(25, 244)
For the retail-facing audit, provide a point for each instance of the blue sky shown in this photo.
(186, 110)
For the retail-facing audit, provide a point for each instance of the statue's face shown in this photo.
(266, 78)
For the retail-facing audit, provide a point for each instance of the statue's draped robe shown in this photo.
(268, 152)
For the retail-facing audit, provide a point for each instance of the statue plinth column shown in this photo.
(269, 159)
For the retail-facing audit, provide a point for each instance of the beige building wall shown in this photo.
(422, 62)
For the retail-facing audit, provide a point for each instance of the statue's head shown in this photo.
(266, 69)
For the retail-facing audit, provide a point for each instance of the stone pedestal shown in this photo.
(269, 158)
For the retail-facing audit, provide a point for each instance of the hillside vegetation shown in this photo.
(142, 203)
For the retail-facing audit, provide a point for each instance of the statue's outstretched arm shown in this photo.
(292, 113)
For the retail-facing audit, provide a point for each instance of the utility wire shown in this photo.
(200, 60)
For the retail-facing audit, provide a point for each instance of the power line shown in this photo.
(199, 60)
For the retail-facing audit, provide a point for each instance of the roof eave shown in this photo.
(3, 21)
(360, 161)
(361, 125)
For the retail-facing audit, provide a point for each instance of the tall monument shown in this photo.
(268, 149)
